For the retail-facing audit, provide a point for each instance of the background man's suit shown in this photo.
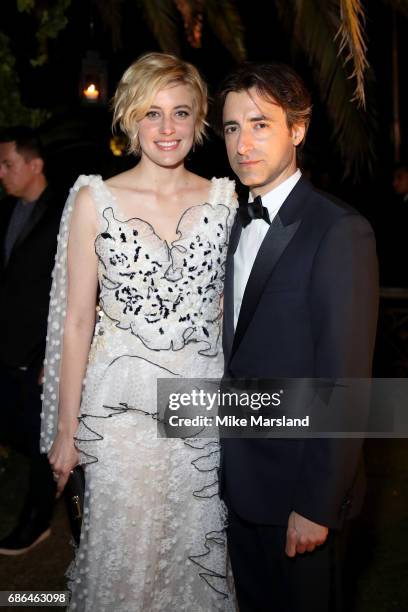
(309, 310)
(25, 282)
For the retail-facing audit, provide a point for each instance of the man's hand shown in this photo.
(303, 535)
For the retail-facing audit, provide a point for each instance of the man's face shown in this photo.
(16, 174)
(261, 148)
(400, 182)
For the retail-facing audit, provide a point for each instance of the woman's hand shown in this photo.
(63, 457)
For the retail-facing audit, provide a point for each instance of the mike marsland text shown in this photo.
(233, 421)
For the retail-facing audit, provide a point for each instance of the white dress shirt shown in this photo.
(252, 237)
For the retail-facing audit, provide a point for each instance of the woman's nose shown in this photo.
(167, 125)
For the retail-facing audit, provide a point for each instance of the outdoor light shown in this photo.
(91, 93)
(93, 82)
(117, 145)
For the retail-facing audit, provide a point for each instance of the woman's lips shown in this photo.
(167, 145)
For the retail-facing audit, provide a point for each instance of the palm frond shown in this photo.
(351, 35)
(224, 20)
(192, 13)
(161, 17)
(314, 33)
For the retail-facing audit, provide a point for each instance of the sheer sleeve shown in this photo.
(56, 318)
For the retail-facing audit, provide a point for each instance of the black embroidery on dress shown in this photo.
(133, 298)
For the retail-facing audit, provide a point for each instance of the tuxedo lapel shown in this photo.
(235, 236)
(228, 318)
(277, 239)
(272, 247)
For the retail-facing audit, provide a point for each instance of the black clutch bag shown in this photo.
(74, 498)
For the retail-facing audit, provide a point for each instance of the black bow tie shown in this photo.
(253, 210)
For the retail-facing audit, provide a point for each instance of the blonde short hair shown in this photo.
(140, 84)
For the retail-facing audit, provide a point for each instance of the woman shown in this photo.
(153, 239)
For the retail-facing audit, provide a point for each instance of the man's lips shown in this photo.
(248, 162)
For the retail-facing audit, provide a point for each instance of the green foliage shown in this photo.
(51, 16)
(52, 20)
(12, 110)
(25, 6)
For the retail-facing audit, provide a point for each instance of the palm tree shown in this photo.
(333, 42)
(329, 34)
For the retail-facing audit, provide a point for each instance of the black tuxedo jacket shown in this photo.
(310, 311)
(25, 281)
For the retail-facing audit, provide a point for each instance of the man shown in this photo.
(300, 302)
(29, 221)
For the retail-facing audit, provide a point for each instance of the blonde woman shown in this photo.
(147, 248)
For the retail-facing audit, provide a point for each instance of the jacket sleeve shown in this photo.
(344, 306)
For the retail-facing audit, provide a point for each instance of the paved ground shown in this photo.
(378, 556)
(378, 559)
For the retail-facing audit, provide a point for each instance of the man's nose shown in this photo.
(244, 144)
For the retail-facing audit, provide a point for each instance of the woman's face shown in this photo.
(166, 133)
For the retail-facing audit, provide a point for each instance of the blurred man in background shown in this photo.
(29, 222)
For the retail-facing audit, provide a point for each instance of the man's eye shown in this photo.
(230, 129)
(261, 125)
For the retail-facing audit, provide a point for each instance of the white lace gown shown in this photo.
(153, 536)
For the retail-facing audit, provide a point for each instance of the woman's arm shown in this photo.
(78, 331)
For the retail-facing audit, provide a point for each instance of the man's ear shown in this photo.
(37, 165)
(298, 133)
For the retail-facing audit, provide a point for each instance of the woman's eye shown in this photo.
(152, 114)
(182, 114)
